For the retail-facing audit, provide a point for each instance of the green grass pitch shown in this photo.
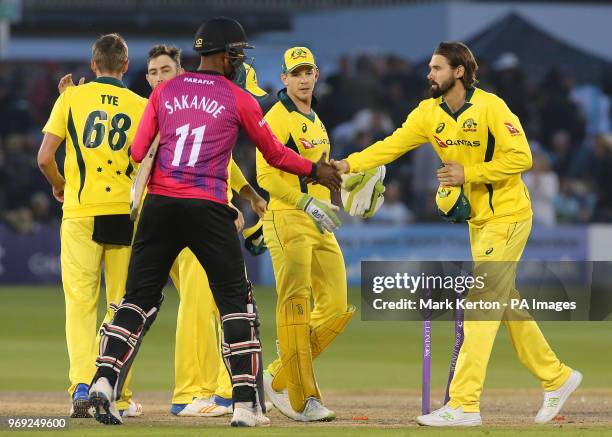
(368, 356)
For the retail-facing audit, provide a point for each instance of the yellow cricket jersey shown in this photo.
(483, 135)
(236, 179)
(98, 121)
(304, 133)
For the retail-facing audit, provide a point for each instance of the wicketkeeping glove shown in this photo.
(323, 213)
(362, 193)
(254, 239)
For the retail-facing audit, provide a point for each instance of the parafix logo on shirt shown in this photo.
(513, 131)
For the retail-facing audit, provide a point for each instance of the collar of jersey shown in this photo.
(214, 73)
(290, 106)
(468, 96)
(110, 81)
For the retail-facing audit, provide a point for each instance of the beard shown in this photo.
(439, 90)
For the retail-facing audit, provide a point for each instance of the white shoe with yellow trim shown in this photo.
(448, 416)
(554, 400)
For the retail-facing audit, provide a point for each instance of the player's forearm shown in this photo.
(237, 179)
(52, 174)
(278, 188)
(46, 160)
(146, 133)
(248, 193)
(381, 152)
(142, 142)
(375, 155)
(498, 169)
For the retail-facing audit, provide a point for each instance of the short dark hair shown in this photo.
(457, 53)
(110, 53)
(172, 52)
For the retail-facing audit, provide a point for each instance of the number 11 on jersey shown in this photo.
(182, 133)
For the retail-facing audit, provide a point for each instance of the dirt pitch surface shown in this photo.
(386, 409)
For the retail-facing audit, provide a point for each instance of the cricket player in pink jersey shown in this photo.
(198, 117)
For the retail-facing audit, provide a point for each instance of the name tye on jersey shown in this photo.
(186, 101)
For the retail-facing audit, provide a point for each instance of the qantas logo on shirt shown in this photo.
(306, 144)
(445, 144)
(312, 144)
(513, 131)
(440, 142)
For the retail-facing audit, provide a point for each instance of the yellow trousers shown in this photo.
(81, 260)
(501, 242)
(304, 261)
(199, 370)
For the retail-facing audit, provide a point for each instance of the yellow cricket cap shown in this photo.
(453, 205)
(296, 57)
(251, 84)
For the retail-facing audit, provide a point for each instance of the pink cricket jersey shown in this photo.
(199, 116)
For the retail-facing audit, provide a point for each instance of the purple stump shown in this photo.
(426, 384)
(426, 381)
(456, 348)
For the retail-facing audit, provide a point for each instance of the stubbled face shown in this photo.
(442, 77)
(160, 69)
(300, 82)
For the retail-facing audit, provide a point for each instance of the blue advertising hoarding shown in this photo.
(34, 258)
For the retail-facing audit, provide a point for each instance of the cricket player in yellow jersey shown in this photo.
(484, 151)
(202, 386)
(98, 121)
(305, 254)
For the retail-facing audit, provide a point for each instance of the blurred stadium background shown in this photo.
(550, 61)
